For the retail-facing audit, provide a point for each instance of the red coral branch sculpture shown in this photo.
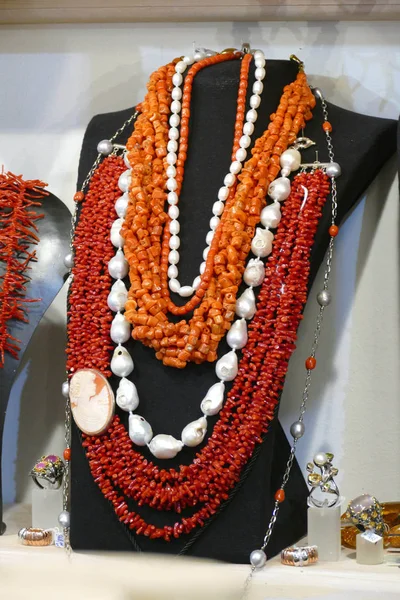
(18, 231)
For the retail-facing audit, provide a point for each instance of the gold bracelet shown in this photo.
(299, 556)
(32, 536)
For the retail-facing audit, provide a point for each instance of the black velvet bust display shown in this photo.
(46, 277)
(170, 398)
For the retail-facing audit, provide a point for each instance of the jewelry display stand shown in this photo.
(46, 506)
(362, 145)
(46, 277)
(323, 530)
(369, 548)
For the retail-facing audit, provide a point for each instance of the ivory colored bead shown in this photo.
(185, 291)
(271, 215)
(248, 128)
(229, 180)
(173, 257)
(121, 362)
(174, 285)
(223, 193)
(120, 330)
(176, 93)
(214, 399)
(172, 198)
(218, 208)
(172, 271)
(227, 366)
(237, 335)
(165, 446)
(254, 273)
(255, 101)
(258, 87)
(193, 434)
(251, 116)
(173, 211)
(127, 397)
(140, 430)
(235, 167)
(174, 242)
(241, 154)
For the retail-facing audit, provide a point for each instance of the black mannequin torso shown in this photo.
(47, 275)
(170, 398)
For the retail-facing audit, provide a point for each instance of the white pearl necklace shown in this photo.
(166, 446)
(229, 179)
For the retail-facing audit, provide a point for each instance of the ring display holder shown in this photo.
(324, 530)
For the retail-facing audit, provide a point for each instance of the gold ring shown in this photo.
(32, 536)
(299, 556)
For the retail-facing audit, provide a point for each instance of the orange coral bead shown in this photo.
(67, 454)
(311, 363)
(333, 230)
(79, 196)
(280, 495)
(327, 126)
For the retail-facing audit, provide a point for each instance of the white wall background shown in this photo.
(54, 78)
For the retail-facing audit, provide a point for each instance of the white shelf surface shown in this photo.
(125, 576)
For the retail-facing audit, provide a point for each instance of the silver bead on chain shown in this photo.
(64, 516)
(258, 557)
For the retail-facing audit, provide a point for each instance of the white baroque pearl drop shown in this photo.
(140, 430)
(124, 180)
(165, 446)
(262, 242)
(254, 273)
(121, 205)
(118, 266)
(121, 362)
(291, 159)
(127, 396)
(279, 189)
(246, 304)
(237, 335)
(227, 366)
(271, 215)
(214, 399)
(118, 296)
(120, 331)
(115, 234)
(193, 434)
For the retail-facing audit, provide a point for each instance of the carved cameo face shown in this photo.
(92, 401)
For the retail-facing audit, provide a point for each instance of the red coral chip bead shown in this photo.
(311, 363)
(67, 454)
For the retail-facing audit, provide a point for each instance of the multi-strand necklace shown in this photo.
(140, 245)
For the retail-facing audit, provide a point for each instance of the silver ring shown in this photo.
(48, 472)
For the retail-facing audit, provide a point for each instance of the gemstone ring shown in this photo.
(48, 472)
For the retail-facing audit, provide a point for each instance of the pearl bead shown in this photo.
(259, 73)
(209, 237)
(176, 93)
(244, 141)
(180, 66)
(202, 268)
(174, 120)
(261, 244)
(171, 184)
(258, 87)
(241, 154)
(174, 227)
(194, 433)
(205, 252)
(69, 260)
(121, 362)
(165, 446)
(118, 266)
(140, 430)
(174, 242)
(196, 282)
(172, 271)
(126, 161)
(127, 396)
(255, 101)
(218, 208)
(291, 158)
(117, 297)
(105, 147)
(172, 198)
(279, 189)
(251, 116)
(173, 212)
(214, 222)
(235, 167)
(124, 180)
(64, 519)
(324, 298)
(320, 459)
(185, 291)
(229, 180)
(258, 54)
(171, 171)
(177, 79)
(271, 215)
(172, 146)
(65, 389)
(189, 60)
(317, 92)
(115, 233)
(223, 193)
(246, 304)
(237, 335)
(214, 399)
(259, 62)
(171, 158)
(120, 330)
(121, 205)
(173, 133)
(258, 558)
(248, 128)
(227, 366)
(174, 285)
(333, 170)
(176, 106)
(297, 429)
(173, 257)
(254, 273)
